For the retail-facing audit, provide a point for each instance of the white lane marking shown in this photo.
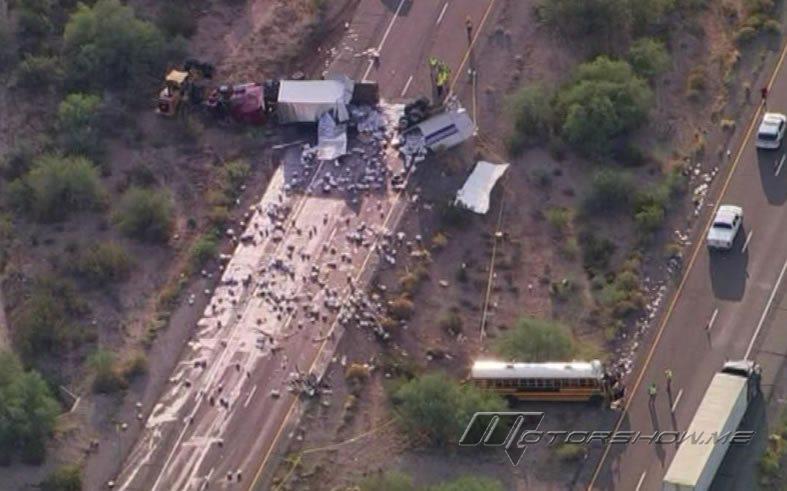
(781, 163)
(709, 326)
(748, 239)
(406, 86)
(641, 480)
(251, 394)
(385, 36)
(442, 13)
(765, 312)
(677, 400)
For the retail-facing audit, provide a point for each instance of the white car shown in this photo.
(725, 227)
(771, 131)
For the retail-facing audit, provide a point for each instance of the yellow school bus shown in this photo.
(554, 381)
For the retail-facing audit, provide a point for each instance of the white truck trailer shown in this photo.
(720, 412)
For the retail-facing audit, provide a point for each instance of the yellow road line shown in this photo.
(258, 474)
(694, 255)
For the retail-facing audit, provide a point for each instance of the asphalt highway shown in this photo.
(226, 416)
(727, 306)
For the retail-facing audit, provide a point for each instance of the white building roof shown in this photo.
(485, 369)
(474, 194)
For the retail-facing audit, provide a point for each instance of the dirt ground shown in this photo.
(184, 162)
(347, 439)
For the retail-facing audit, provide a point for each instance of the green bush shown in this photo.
(648, 57)
(43, 324)
(397, 481)
(593, 20)
(8, 52)
(531, 110)
(35, 23)
(468, 483)
(28, 412)
(390, 481)
(78, 125)
(106, 45)
(176, 19)
(106, 374)
(611, 190)
(56, 186)
(36, 72)
(203, 250)
(451, 323)
(63, 478)
(606, 99)
(536, 340)
(570, 452)
(596, 252)
(401, 308)
(437, 409)
(559, 218)
(145, 214)
(18, 160)
(103, 263)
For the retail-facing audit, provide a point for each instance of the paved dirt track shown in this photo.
(217, 416)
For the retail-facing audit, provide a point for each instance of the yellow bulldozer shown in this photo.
(183, 86)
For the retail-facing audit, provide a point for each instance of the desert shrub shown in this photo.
(648, 57)
(531, 111)
(468, 483)
(622, 297)
(107, 377)
(390, 481)
(454, 216)
(17, 160)
(596, 252)
(28, 412)
(744, 35)
(145, 214)
(569, 248)
(36, 72)
(606, 99)
(204, 249)
(401, 308)
(7, 46)
(135, 366)
(218, 216)
(593, 20)
(451, 323)
(559, 218)
(570, 452)
(106, 45)
(102, 264)
(34, 23)
(536, 340)
(437, 409)
(439, 241)
(56, 186)
(628, 154)
(542, 177)
(610, 190)
(234, 174)
(176, 19)
(78, 125)
(44, 323)
(63, 478)
(695, 83)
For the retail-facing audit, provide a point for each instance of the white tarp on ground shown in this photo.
(331, 138)
(304, 101)
(474, 195)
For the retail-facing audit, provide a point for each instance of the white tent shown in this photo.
(474, 195)
(304, 101)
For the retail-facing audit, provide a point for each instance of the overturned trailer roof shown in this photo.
(447, 129)
(474, 195)
(304, 101)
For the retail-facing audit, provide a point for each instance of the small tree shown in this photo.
(531, 110)
(468, 483)
(27, 412)
(606, 99)
(36, 72)
(536, 340)
(107, 45)
(63, 478)
(648, 57)
(107, 376)
(56, 186)
(104, 263)
(610, 190)
(77, 123)
(390, 481)
(145, 214)
(437, 409)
